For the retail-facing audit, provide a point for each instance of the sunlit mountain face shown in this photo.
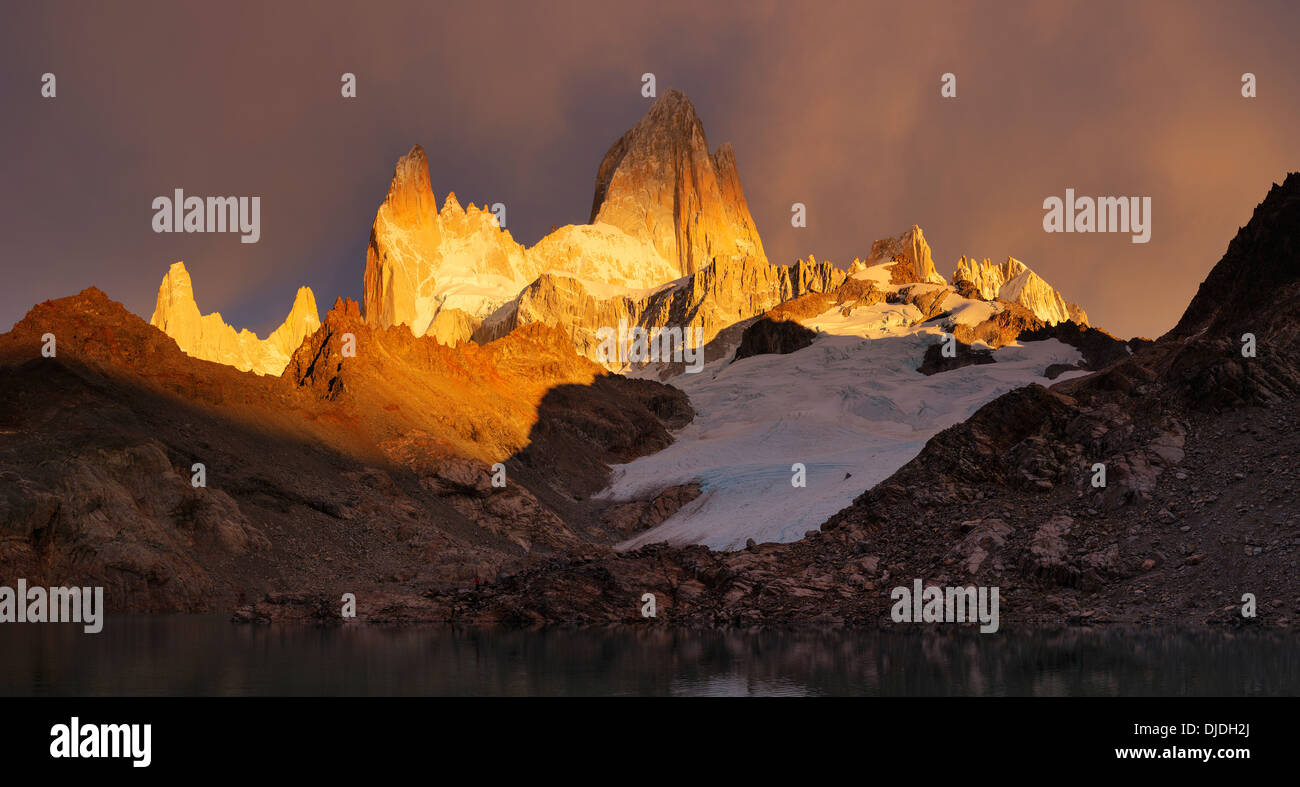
(982, 334)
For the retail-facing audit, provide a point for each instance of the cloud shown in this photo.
(835, 105)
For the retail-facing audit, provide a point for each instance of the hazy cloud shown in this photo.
(832, 104)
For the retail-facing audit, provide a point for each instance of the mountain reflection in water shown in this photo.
(209, 656)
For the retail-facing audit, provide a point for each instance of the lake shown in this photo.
(210, 656)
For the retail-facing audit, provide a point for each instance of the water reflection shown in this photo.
(211, 656)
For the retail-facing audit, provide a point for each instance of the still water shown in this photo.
(210, 656)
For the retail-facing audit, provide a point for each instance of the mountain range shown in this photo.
(671, 242)
(456, 447)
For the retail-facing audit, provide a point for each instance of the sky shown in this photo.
(834, 105)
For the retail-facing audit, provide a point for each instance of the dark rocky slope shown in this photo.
(345, 474)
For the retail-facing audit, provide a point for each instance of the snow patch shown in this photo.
(851, 407)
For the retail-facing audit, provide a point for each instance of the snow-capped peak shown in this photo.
(1014, 281)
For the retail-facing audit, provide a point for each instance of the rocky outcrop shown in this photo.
(659, 184)
(1013, 281)
(1001, 328)
(767, 336)
(1115, 446)
(207, 336)
(124, 519)
(908, 257)
(929, 299)
(636, 516)
(963, 355)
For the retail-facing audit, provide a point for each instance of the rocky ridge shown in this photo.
(207, 336)
(1014, 282)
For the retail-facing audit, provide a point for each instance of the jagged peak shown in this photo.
(304, 304)
(909, 250)
(659, 183)
(673, 109)
(1015, 282)
(175, 293)
(725, 158)
(410, 189)
(977, 271)
(96, 295)
(411, 171)
(345, 307)
(178, 276)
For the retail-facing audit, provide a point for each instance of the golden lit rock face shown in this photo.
(442, 272)
(659, 183)
(421, 260)
(911, 256)
(986, 277)
(665, 208)
(711, 299)
(1013, 281)
(208, 337)
(671, 244)
(468, 400)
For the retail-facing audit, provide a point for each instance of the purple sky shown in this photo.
(833, 105)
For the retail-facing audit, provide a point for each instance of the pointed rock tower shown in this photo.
(911, 258)
(437, 271)
(659, 183)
